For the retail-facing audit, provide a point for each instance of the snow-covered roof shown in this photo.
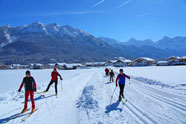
(99, 62)
(147, 58)
(51, 64)
(177, 57)
(16, 64)
(112, 61)
(162, 62)
(72, 65)
(38, 64)
(128, 60)
(181, 57)
(61, 64)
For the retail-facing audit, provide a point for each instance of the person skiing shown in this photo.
(54, 79)
(111, 76)
(30, 86)
(107, 72)
(121, 78)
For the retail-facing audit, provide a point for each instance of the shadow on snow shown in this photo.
(40, 98)
(113, 107)
(5, 120)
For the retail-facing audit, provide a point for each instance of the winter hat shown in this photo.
(121, 70)
(55, 69)
(27, 72)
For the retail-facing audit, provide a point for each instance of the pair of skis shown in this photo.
(20, 114)
(16, 115)
(24, 119)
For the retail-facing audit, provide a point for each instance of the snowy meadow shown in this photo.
(156, 95)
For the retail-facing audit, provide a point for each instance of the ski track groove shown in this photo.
(134, 113)
(142, 114)
(164, 100)
(172, 104)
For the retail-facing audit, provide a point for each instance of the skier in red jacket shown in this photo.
(30, 87)
(54, 75)
(107, 72)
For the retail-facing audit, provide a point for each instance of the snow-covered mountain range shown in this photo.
(44, 43)
(10, 34)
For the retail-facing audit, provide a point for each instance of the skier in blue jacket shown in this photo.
(121, 78)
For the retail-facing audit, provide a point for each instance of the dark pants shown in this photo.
(111, 78)
(121, 86)
(107, 73)
(51, 82)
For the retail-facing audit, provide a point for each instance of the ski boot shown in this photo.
(33, 110)
(24, 110)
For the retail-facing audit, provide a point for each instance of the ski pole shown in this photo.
(112, 95)
(129, 82)
(45, 101)
(61, 86)
(40, 94)
(113, 92)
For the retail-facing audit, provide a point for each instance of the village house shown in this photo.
(4, 67)
(36, 66)
(72, 66)
(178, 60)
(110, 62)
(95, 64)
(144, 61)
(122, 63)
(162, 63)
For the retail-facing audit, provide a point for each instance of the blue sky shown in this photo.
(118, 19)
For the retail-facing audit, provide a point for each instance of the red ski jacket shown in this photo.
(54, 75)
(107, 70)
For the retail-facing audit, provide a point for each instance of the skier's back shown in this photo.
(111, 76)
(107, 72)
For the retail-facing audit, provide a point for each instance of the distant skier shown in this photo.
(107, 72)
(54, 79)
(30, 86)
(111, 76)
(121, 78)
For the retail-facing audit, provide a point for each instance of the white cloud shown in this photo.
(100, 2)
(62, 13)
(142, 14)
(124, 3)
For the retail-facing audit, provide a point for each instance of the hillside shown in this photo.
(50, 43)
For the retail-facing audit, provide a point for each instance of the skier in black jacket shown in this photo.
(30, 86)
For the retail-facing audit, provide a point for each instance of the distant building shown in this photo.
(144, 61)
(60, 65)
(110, 62)
(36, 66)
(178, 60)
(122, 63)
(72, 66)
(95, 64)
(2, 67)
(162, 63)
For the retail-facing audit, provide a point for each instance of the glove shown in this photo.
(19, 90)
(116, 85)
(35, 90)
(61, 79)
